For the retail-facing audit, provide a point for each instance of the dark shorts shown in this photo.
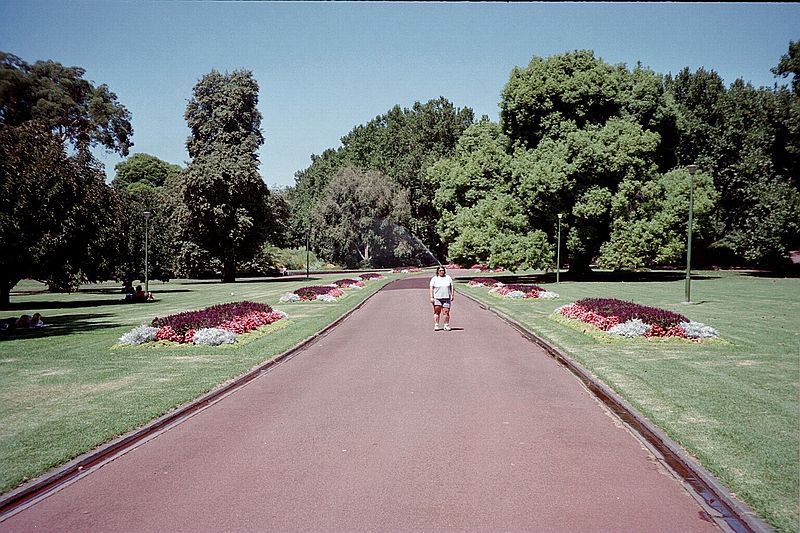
(442, 302)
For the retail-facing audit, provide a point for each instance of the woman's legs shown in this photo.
(437, 310)
(446, 316)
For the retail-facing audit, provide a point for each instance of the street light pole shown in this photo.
(692, 169)
(146, 265)
(558, 251)
(308, 231)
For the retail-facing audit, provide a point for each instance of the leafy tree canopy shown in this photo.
(790, 64)
(144, 169)
(359, 221)
(59, 99)
(224, 212)
(400, 144)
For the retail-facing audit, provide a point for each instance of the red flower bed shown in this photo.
(238, 317)
(531, 291)
(486, 282)
(311, 292)
(347, 282)
(605, 313)
(370, 275)
(485, 268)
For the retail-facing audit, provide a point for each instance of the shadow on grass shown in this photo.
(608, 277)
(281, 279)
(61, 325)
(38, 305)
(777, 274)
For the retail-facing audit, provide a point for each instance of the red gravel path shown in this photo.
(386, 425)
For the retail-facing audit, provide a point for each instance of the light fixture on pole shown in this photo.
(146, 265)
(558, 251)
(691, 169)
(308, 231)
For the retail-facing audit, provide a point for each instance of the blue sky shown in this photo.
(324, 67)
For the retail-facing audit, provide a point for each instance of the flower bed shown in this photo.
(514, 290)
(349, 284)
(370, 275)
(485, 282)
(323, 293)
(406, 270)
(629, 319)
(213, 325)
(479, 267)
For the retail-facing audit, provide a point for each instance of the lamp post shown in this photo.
(558, 251)
(146, 265)
(308, 231)
(692, 169)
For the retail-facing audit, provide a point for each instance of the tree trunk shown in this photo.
(229, 270)
(5, 292)
(5, 295)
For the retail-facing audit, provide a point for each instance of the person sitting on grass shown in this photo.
(23, 322)
(141, 296)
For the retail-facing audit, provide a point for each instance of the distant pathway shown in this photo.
(386, 425)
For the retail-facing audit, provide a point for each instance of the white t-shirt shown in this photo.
(441, 286)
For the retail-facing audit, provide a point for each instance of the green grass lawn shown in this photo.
(732, 404)
(68, 388)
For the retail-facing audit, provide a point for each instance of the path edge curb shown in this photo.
(18, 499)
(735, 514)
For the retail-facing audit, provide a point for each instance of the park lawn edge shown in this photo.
(719, 467)
(113, 431)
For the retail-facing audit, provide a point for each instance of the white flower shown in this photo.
(632, 328)
(516, 294)
(290, 297)
(139, 335)
(213, 337)
(547, 295)
(696, 330)
(326, 298)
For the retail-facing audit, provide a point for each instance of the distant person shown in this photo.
(130, 293)
(36, 321)
(23, 322)
(141, 296)
(442, 293)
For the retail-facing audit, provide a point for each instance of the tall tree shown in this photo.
(57, 210)
(745, 138)
(59, 99)
(401, 144)
(144, 169)
(224, 208)
(55, 213)
(790, 64)
(145, 183)
(359, 221)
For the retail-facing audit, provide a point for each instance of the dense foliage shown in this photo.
(56, 212)
(224, 213)
(604, 146)
(400, 145)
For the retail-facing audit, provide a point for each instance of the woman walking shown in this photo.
(442, 294)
